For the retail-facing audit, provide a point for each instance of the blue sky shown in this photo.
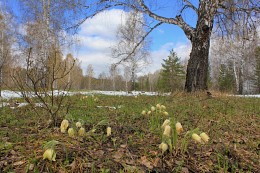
(97, 35)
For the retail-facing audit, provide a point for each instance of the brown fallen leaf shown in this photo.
(18, 163)
(144, 161)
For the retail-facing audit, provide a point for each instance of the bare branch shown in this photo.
(189, 31)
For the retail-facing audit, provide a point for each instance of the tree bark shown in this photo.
(197, 69)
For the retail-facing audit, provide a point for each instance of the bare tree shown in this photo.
(127, 77)
(207, 14)
(48, 87)
(90, 75)
(7, 38)
(129, 36)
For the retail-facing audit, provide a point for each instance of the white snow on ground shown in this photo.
(6, 94)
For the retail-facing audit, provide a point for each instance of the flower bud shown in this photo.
(167, 131)
(149, 112)
(165, 123)
(143, 112)
(196, 138)
(78, 124)
(179, 128)
(71, 132)
(158, 106)
(64, 125)
(82, 131)
(165, 113)
(109, 131)
(163, 146)
(163, 107)
(49, 154)
(204, 137)
(152, 108)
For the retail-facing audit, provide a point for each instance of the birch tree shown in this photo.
(129, 42)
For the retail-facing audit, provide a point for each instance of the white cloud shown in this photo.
(104, 24)
(98, 34)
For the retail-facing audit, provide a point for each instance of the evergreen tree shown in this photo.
(172, 73)
(226, 78)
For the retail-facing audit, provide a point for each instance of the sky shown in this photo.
(97, 35)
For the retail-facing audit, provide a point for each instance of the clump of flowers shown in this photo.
(171, 130)
(202, 138)
(64, 125)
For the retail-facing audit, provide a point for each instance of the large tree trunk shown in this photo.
(197, 69)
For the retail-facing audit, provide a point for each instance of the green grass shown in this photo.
(232, 124)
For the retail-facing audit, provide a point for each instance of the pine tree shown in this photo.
(172, 73)
(226, 78)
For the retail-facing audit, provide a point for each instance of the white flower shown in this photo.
(158, 106)
(163, 107)
(149, 112)
(152, 108)
(166, 122)
(204, 137)
(78, 124)
(165, 113)
(109, 131)
(82, 131)
(71, 132)
(196, 137)
(64, 125)
(143, 112)
(167, 131)
(49, 154)
(163, 146)
(179, 128)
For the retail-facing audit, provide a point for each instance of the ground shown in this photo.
(232, 124)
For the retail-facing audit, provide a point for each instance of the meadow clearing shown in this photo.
(232, 124)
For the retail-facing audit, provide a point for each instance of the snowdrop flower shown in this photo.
(71, 132)
(49, 154)
(165, 113)
(143, 112)
(179, 128)
(82, 131)
(196, 138)
(204, 137)
(64, 125)
(78, 124)
(152, 108)
(108, 131)
(163, 107)
(167, 131)
(163, 146)
(149, 112)
(165, 123)
(158, 106)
